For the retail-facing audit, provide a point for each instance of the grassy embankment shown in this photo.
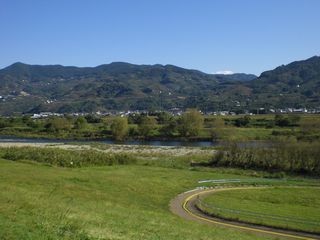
(124, 200)
(40, 201)
(284, 207)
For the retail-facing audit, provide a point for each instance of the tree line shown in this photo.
(159, 124)
(187, 125)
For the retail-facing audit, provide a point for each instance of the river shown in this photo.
(174, 143)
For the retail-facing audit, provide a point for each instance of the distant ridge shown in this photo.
(124, 86)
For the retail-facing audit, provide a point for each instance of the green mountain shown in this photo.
(34, 88)
(296, 84)
(124, 86)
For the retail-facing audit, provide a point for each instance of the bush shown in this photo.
(65, 158)
(300, 158)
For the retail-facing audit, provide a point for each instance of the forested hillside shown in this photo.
(124, 86)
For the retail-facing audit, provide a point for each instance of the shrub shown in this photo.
(288, 157)
(65, 158)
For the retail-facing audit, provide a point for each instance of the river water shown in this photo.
(173, 143)
(6, 139)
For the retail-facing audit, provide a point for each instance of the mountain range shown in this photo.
(28, 88)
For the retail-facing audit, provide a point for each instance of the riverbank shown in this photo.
(117, 148)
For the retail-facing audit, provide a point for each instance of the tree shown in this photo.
(26, 119)
(119, 128)
(217, 128)
(4, 123)
(243, 121)
(80, 123)
(281, 121)
(136, 118)
(147, 125)
(294, 119)
(57, 124)
(169, 128)
(93, 119)
(163, 117)
(190, 123)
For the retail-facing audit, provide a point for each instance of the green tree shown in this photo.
(294, 119)
(26, 119)
(57, 124)
(4, 123)
(169, 128)
(243, 121)
(281, 120)
(147, 125)
(217, 128)
(93, 119)
(163, 117)
(119, 128)
(80, 123)
(190, 123)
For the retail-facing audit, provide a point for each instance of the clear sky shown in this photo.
(210, 35)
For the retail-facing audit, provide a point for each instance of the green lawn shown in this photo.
(112, 202)
(300, 205)
(245, 134)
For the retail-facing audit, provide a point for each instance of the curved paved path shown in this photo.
(184, 206)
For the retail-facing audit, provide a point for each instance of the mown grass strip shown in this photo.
(294, 208)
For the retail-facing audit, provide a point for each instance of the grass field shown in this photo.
(299, 208)
(111, 202)
(107, 194)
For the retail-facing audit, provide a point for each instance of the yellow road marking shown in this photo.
(184, 206)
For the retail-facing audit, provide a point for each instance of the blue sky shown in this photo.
(210, 35)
